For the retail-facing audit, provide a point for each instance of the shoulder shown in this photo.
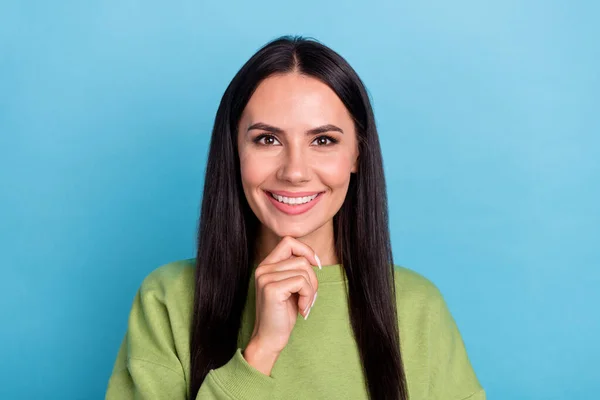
(173, 278)
(431, 344)
(159, 321)
(419, 301)
(411, 285)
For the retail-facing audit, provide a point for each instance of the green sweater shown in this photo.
(320, 361)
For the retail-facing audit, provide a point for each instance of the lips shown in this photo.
(295, 209)
(292, 194)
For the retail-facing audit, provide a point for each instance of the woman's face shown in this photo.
(296, 139)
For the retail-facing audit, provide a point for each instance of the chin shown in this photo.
(296, 232)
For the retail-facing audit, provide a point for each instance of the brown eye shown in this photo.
(325, 141)
(265, 140)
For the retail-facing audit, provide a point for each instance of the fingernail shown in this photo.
(313, 303)
(318, 261)
(307, 313)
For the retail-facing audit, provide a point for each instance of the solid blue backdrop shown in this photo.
(488, 116)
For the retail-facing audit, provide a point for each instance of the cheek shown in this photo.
(335, 173)
(253, 170)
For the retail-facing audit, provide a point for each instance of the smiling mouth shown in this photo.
(294, 201)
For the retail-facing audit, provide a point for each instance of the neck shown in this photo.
(320, 240)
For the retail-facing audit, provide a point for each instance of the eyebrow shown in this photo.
(314, 131)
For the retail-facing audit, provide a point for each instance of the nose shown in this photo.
(294, 166)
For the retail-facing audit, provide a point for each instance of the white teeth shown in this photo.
(294, 200)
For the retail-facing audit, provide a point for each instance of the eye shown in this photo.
(269, 140)
(322, 141)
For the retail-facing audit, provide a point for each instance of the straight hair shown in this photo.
(227, 226)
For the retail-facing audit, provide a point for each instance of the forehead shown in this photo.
(295, 99)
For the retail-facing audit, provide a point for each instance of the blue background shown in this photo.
(488, 115)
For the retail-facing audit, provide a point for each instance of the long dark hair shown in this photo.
(228, 227)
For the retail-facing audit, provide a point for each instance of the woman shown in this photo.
(294, 205)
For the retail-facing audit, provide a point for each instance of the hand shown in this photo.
(285, 285)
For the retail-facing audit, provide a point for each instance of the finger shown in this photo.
(291, 264)
(267, 273)
(282, 290)
(277, 276)
(288, 247)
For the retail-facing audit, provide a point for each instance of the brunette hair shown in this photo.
(227, 226)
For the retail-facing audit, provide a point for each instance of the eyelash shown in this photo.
(264, 135)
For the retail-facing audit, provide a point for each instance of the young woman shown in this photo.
(294, 204)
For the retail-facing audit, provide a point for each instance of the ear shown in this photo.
(354, 169)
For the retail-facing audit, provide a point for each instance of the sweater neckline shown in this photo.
(329, 273)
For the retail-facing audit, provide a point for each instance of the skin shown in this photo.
(295, 161)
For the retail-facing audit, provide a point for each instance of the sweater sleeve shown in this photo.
(149, 366)
(452, 375)
(236, 380)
